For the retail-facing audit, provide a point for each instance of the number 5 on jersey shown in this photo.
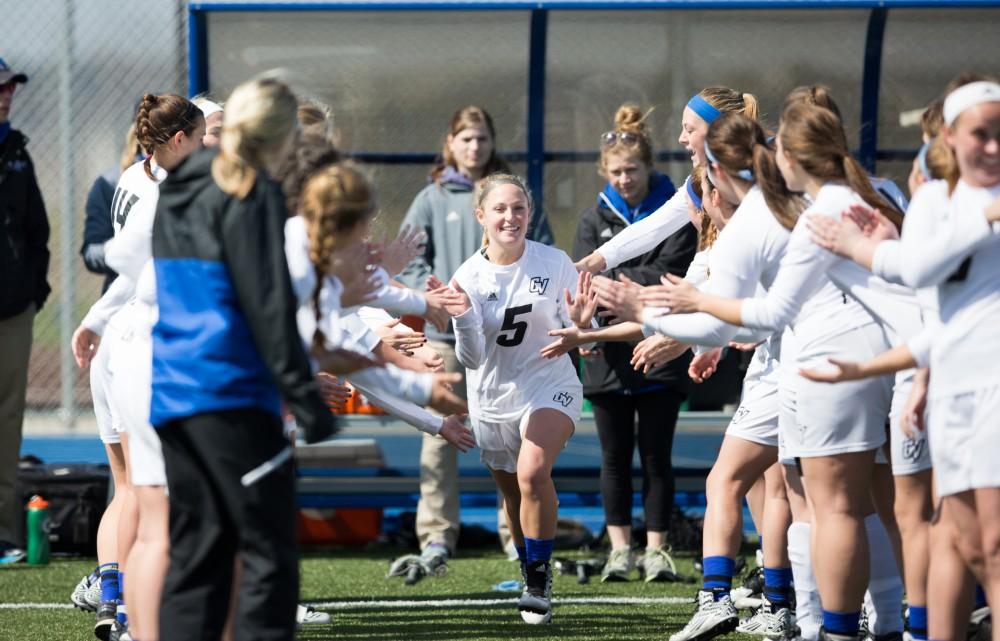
(510, 324)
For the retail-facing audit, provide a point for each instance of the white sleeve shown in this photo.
(397, 300)
(130, 248)
(414, 387)
(357, 334)
(375, 318)
(645, 235)
(933, 244)
(802, 270)
(120, 291)
(920, 346)
(413, 414)
(470, 344)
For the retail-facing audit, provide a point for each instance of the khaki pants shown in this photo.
(438, 509)
(15, 351)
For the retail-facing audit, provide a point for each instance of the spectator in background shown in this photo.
(24, 265)
(618, 393)
(445, 210)
(97, 226)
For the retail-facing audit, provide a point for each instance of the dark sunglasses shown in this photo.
(627, 138)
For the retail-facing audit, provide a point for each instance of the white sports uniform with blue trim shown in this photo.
(499, 340)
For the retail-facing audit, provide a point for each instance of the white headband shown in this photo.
(970, 95)
(207, 106)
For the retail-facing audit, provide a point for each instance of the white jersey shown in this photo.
(499, 339)
(134, 200)
(746, 254)
(395, 300)
(399, 392)
(895, 307)
(802, 295)
(939, 233)
(644, 236)
(966, 350)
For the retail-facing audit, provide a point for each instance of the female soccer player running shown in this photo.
(523, 407)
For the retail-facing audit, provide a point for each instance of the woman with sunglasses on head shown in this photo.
(701, 111)
(619, 393)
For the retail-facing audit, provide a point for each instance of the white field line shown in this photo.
(417, 603)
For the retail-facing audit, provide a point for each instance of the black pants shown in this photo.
(213, 517)
(615, 415)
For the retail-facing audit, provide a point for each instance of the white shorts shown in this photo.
(109, 424)
(823, 419)
(499, 443)
(964, 440)
(756, 419)
(132, 369)
(909, 455)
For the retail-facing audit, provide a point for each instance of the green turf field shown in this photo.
(339, 583)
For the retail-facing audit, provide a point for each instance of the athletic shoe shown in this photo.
(119, 632)
(10, 553)
(980, 625)
(710, 619)
(830, 636)
(535, 603)
(307, 615)
(619, 565)
(751, 594)
(657, 565)
(773, 625)
(87, 593)
(107, 613)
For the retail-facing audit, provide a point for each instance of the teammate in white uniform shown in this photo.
(523, 407)
(168, 128)
(700, 112)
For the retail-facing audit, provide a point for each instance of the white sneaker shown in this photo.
(773, 625)
(980, 625)
(87, 593)
(535, 603)
(711, 619)
(306, 615)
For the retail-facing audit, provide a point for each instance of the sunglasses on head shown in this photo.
(627, 138)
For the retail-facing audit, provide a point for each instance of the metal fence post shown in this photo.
(67, 234)
(870, 87)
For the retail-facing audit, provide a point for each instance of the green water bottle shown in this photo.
(38, 531)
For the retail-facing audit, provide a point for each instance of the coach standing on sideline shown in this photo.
(24, 263)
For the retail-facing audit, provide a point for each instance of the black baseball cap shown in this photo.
(6, 75)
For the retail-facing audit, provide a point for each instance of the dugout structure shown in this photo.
(552, 73)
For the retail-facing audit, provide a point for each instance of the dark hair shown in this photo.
(816, 95)
(464, 118)
(312, 151)
(740, 143)
(160, 118)
(815, 138)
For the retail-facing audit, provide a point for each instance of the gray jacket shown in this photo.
(447, 213)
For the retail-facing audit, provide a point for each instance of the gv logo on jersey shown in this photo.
(913, 449)
(563, 399)
(538, 285)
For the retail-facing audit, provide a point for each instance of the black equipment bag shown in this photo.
(77, 494)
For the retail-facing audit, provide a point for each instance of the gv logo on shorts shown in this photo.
(913, 449)
(538, 285)
(562, 398)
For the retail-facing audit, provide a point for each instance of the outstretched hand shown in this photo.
(582, 306)
(406, 246)
(841, 371)
(455, 432)
(620, 298)
(703, 365)
(655, 351)
(677, 295)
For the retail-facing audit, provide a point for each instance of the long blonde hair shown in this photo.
(260, 115)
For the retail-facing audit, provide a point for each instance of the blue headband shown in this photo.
(695, 200)
(745, 174)
(706, 111)
(922, 160)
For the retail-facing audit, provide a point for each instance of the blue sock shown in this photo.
(845, 623)
(538, 549)
(120, 616)
(980, 597)
(110, 583)
(718, 572)
(918, 622)
(522, 553)
(778, 586)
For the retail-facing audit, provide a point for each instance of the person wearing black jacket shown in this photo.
(24, 266)
(617, 392)
(226, 352)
